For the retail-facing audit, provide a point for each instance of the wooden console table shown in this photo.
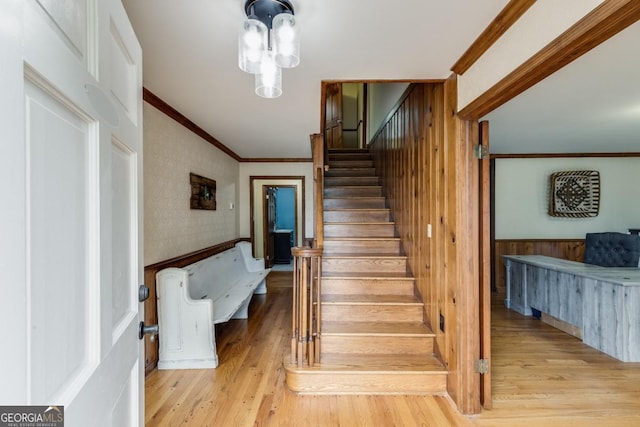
(604, 302)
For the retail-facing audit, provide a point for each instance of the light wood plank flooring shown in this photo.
(545, 377)
(541, 377)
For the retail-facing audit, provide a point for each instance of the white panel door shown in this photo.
(70, 252)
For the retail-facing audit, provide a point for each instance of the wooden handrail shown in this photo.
(306, 318)
(318, 153)
(319, 210)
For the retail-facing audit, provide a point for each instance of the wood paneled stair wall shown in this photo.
(373, 336)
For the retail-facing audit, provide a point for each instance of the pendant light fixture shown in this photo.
(268, 42)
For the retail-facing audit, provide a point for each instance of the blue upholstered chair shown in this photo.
(612, 249)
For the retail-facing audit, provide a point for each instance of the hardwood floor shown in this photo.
(541, 377)
(248, 386)
(545, 377)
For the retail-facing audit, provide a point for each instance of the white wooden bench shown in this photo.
(191, 300)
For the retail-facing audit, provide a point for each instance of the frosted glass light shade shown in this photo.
(269, 79)
(285, 40)
(252, 43)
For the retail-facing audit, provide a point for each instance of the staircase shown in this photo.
(373, 337)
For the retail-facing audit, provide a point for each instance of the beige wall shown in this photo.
(522, 197)
(544, 21)
(381, 99)
(171, 152)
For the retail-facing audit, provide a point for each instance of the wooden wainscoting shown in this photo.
(150, 305)
(423, 155)
(571, 249)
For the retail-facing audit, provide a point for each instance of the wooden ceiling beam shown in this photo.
(605, 21)
(500, 24)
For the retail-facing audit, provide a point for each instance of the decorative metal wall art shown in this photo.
(574, 194)
(203, 192)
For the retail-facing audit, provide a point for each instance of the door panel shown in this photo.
(70, 22)
(72, 112)
(123, 72)
(269, 198)
(485, 267)
(333, 115)
(62, 245)
(124, 306)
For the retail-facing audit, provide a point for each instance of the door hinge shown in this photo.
(480, 151)
(482, 366)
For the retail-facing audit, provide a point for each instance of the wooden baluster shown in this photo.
(311, 318)
(302, 342)
(318, 261)
(294, 314)
(305, 345)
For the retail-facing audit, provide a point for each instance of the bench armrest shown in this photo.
(185, 325)
(252, 264)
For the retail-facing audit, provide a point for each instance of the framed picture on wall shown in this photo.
(574, 194)
(203, 193)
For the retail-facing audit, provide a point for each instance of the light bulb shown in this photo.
(286, 32)
(252, 38)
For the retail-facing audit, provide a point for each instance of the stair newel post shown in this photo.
(306, 319)
(318, 150)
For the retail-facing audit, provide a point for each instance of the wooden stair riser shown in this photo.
(387, 246)
(359, 230)
(369, 265)
(339, 151)
(384, 344)
(349, 286)
(350, 164)
(353, 191)
(323, 382)
(357, 215)
(344, 172)
(349, 156)
(350, 180)
(354, 203)
(365, 312)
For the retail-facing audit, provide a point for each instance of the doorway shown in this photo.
(345, 115)
(259, 209)
(354, 111)
(280, 220)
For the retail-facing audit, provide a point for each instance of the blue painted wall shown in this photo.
(286, 210)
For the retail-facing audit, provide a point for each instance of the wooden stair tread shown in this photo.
(352, 299)
(360, 223)
(358, 187)
(373, 276)
(379, 363)
(409, 329)
(360, 239)
(354, 197)
(356, 209)
(362, 256)
(339, 168)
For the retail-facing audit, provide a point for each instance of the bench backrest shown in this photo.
(211, 277)
(612, 249)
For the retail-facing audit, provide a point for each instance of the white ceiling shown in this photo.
(190, 60)
(591, 105)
